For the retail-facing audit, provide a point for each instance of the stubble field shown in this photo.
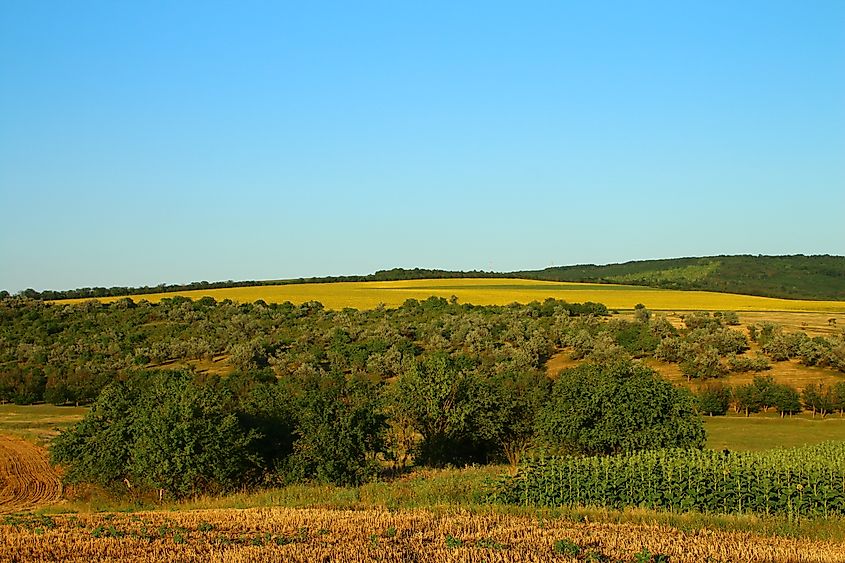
(27, 480)
(282, 534)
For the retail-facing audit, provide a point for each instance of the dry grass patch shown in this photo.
(218, 365)
(377, 535)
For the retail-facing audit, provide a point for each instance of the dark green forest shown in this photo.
(792, 277)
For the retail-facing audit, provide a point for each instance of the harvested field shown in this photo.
(281, 534)
(27, 480)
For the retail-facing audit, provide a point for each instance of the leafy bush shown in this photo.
(748, 363)
(622, 406)
(339, 430)
(161, 430)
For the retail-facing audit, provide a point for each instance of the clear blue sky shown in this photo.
(149, 142)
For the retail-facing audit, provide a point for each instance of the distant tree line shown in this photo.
(394, 274)
(763, 394)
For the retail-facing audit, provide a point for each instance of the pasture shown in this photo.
(769, 430)
(37, 423)
(368, 295)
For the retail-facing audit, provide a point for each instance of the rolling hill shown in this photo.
(789, 277)
(820, 277)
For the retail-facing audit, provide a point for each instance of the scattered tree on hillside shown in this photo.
(747, 399)
(703, 364)
(786, 399)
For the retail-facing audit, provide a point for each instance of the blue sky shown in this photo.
(166, 142)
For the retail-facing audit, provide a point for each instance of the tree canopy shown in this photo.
(617, 407)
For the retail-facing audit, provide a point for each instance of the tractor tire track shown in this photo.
(27, 480)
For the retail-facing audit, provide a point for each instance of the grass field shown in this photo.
(367, 295)
(767, 431)
(37, 423)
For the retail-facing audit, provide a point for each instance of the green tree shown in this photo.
(641, 314)
(765, 389)
(703, 363)
(745, 363)
(159, 431)
(752, 332)
(818, 398)
(786, 399)
(452, 410)
(747, 399)
(98, 448)
(185, 441)
(616, 407)
(520, 397)
(339, 431)
(838, 397)
(23, 385)
(268, 409)
(714, 399)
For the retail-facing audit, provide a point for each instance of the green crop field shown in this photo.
(796, 483)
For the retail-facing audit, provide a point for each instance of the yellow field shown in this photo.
(368, 295)
(280, 534)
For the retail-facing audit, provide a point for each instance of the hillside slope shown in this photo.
(796, 277)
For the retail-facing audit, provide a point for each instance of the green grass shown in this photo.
(37, 423)
(767, 431)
